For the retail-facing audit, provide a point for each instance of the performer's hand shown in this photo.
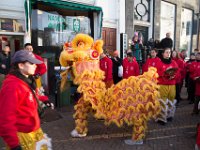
(17, 148)
(49, 104)
(197, 78)
(3, 66)
(37, 76)
(171, 77)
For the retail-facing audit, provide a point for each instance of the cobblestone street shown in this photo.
(176, 135)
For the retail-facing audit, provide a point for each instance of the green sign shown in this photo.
(76, 25)
(56, 22)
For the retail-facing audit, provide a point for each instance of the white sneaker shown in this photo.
(75, 134)
(131, 142)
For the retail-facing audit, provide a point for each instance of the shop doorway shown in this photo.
(14, 41)
(109, 38)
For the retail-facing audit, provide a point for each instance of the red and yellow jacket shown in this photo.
(161, 68)
(18, 110)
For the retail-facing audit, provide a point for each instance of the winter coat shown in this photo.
(116, 63)
(151, 62)
(18, 110)
(106, 66)
(4, 59)
(195, 68)
(161, 68)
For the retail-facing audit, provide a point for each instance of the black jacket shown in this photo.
(4, 59)
(116, 64)
(166, 43)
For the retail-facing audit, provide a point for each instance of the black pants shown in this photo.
(178, 91)
(196, 102)
(191, 90)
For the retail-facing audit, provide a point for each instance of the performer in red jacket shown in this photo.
(19, 120)
(196, 77)
(167, 70)
(195, 68)
(41, 68)
(152, 61)
(130, 66)
(180, 74)
(106, 66)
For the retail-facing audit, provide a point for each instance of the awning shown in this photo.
(67, 5)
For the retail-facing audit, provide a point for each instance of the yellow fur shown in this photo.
(133, 100)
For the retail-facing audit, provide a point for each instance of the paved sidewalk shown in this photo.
(176, 135)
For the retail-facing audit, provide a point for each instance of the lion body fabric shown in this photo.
(133, 101)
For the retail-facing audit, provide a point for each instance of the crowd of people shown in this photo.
(20, 81)
(182, 72)
(174, 73)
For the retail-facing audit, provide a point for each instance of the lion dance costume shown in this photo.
(133, 101)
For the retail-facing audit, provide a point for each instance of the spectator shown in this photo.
(183, 54)
(166, 42)
(106, 66)
(4, 63)
(157, 44)
(195, 67)
(167, 80)
(152, 61)
(117, 62)
(130, 66)
(196, 51)
(136, 47)
(150, 45)
(19, 120)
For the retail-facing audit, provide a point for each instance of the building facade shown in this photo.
(155, 18)
(113, 23)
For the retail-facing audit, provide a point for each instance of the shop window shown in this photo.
(11, 25)
(167, 19)
(186, 29)
(55, 29)
(142, 10)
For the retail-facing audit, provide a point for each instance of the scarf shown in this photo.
(166, 61)
(30, 80)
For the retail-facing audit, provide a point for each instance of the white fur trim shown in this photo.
(45, 141)
(172, 108)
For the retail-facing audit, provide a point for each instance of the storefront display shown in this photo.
(11, 25)
(57, 29)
